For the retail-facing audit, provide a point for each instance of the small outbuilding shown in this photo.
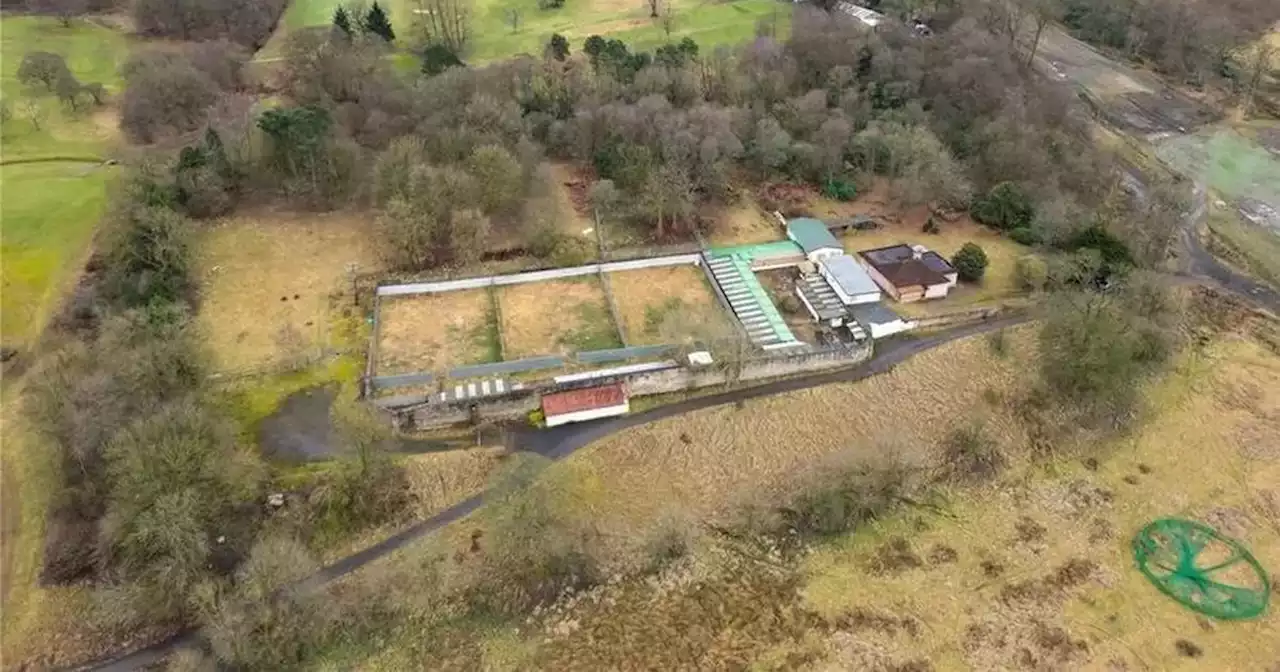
(910, 273)
(814, 238)
(878, 320)
(588, 403)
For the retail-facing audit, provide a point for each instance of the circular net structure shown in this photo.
(1202, 569)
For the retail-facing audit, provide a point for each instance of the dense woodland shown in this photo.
(161, 507)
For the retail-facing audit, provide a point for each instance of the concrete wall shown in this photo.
(517, 406)
(537, 276)
(675, 380)
(440, 415)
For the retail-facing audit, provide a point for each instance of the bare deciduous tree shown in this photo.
(445, 22)
(34, 112)
(65, 10)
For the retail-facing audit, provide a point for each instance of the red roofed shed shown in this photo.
(587, 403)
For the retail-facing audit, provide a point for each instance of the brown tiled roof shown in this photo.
(572, 401)
(898, 265)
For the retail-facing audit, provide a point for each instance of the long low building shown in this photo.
(588, 403)
(852, 283)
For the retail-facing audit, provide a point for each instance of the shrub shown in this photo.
(839, 189)
(1031, 273)
(570, 251)
(839, 497)
(1115, 254)
(1025, 236)
(931, 226)
(437, 58)
(970, 262)
(1097, 349)
(1006, 207)
(970, 455)
(147, 256)
(558, 47)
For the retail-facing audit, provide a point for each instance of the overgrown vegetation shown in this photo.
(161, 501)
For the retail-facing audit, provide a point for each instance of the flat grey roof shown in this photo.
(850, 275)
(873, 313)
(937, 262)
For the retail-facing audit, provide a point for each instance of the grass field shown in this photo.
(1209, 454)
(731, 453)
(267, 281)
(666, 305)
(48, 212)
(1031, 571)
(744, 223)
(710, 23)
(93, 53)
(435, 332)
(562, 316)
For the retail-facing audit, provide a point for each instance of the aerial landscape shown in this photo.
(890, 335)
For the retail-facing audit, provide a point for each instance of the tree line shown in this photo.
(945, 120)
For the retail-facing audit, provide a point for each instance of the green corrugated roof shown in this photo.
(811, 234)
(761, 298)
(774, 249)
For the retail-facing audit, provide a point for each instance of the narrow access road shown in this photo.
(1205, 265)
(1063, 57)
(560, 442)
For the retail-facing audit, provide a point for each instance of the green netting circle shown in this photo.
(1201, 569)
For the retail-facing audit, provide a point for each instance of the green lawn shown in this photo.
(48, 210)
(709, 23)
(93, 53)
(47, 215)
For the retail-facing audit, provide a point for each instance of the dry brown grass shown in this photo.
(252, 267)
(1203, 456)
(704, 462)
(440, 480)
(430, 332)
(562, 316)
(745, 223)
(678, 296)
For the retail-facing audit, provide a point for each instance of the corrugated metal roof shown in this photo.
(850, 275)
(811, 234)
(559, 403)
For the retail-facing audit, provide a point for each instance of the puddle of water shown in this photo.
(301, 431)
